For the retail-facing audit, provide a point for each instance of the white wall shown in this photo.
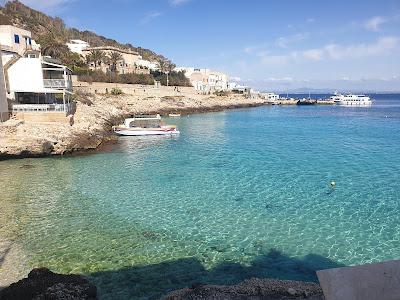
(26, 76)
(7, 33)
(77, 46)
(3, 98)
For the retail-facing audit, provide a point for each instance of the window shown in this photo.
(16, 38)
(30, 41)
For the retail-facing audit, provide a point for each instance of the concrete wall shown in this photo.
(3, 99)
(45, 117)
(130, 89)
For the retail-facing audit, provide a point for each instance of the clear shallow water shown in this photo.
(239, 194)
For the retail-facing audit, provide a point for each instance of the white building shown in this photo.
(240, 89)
(77, 46)
(17, 40)
(151, 65)
(270, 96)
(33, 83)
(206, 80)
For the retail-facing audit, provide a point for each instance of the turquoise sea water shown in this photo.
(238, 194)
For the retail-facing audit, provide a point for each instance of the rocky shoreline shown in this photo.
(255, 288)
(95, 116)
(44, 284)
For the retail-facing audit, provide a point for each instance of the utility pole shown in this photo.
(167, 78)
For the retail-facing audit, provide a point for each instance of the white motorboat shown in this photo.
(351, 100)
(145, 125)
(174, 115)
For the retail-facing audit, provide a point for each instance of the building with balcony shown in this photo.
(40, 84)
(34, 84)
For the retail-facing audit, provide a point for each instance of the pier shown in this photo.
(294, 101)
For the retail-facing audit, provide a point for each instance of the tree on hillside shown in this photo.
(166, 67)
(52, 47)
(114, 58)
(73, 61)
(97, 57)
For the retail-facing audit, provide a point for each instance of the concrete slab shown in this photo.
(379, 281)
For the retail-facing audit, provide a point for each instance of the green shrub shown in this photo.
(221, 93)
(174, 78)
(132, 78)
(116, 91)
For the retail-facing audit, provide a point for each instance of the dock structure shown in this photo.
(4, 114)
(379, 281)
(293, 101)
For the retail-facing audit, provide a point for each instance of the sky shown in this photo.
(276, 45)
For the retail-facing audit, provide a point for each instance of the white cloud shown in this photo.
(285, 41)
(150, 16)
(383, 46)
(276, 60)
(249, 50)
(374, 23)
(178, 2)
(314, 54)
(273, 79)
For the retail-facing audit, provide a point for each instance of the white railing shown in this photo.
(68, 107)
(56, 83)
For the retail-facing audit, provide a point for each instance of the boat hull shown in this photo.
(128, 132)
(354, 103)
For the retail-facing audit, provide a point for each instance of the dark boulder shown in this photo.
(42, 284)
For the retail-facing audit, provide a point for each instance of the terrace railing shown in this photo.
(68, 107)
(57, 84)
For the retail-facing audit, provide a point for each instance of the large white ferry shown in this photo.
(351, 100)
(145, 125)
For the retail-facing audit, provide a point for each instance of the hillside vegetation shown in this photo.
(52, 34)
(44, 27)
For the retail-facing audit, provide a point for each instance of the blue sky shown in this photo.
(270, 45)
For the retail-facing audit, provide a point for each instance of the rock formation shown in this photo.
(255, 289)
(42, 284)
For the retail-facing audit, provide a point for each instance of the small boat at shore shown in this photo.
(145, 125)
(174, 115)
(306, 102)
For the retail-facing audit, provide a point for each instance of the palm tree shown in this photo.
(114, 58)
(97, 57)
(52, 47)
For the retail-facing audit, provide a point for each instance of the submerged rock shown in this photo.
(43, 284)
(265, 289)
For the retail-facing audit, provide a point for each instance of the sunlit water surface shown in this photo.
(238, 194)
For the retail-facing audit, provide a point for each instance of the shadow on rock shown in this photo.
(155, 281)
